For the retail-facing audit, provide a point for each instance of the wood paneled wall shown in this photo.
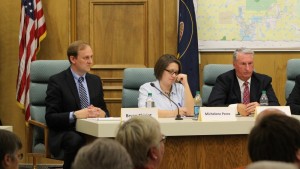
(123, 33)
(131, 33)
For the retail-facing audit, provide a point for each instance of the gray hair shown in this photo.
(103, 153)
(242, 50)
(138, 135)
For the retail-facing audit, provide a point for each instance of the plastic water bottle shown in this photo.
(264, 101)
(149, 101)
(197, 104)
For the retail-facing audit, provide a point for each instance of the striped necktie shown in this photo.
(82, 94)
(246, 95)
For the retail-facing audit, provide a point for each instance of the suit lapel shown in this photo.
(90, 87)
(237, 90)
(254, 88)
(72, 86)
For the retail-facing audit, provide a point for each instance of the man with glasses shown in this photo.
(10, 150)
(170, 85)
(142, 137)
(241, 86)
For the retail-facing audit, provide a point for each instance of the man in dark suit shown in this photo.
(242, 86)
(73, 94)
(294, 98)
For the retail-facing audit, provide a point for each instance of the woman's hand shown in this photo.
(182, 78)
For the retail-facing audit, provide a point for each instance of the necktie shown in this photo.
(82, 94)
(246, 96)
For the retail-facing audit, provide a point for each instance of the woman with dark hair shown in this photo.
(171, 84)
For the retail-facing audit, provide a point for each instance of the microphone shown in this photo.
(178, 117)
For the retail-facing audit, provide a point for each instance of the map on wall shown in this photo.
(257, 24)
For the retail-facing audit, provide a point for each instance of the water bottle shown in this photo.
(264, 101)
(197, 104)
(149, 101)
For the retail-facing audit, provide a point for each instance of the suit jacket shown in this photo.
(227, 90)
(63, 98)
(294, 98)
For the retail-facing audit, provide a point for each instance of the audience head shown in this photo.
(10, 150)
(267, 112)
(243, 63)
(142, 137)
(168, 64)
(103, 153)
(271, 165)
(275, 138)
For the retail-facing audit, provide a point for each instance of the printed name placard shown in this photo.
(285, 109)
(217, 114)
(127, 113)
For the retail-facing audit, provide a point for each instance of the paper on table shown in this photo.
(107, 119)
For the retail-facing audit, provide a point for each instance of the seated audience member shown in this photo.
(167, 71)
(142, 137)
(267, 112)
(10, 150)
(276, 137)
(294, 98)
(103, 153)
(271, 165)
(242, 86)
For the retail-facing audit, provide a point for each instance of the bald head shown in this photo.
(268, 112)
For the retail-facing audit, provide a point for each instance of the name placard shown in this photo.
(208, 114)
(285, 109)
(127, 113)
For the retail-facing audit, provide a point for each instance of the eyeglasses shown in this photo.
(172, 72)
(20, 156)
(163, 139)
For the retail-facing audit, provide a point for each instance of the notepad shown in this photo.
(107, 119)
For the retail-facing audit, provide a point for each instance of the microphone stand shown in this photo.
(178, 117)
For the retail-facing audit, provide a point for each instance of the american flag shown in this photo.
(32, 32)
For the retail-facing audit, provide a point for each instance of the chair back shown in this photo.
(292, 70)
(210, 74)
(40, 71)
(132, 80)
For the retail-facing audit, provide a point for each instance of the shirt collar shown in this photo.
(158, 86)
(241, 82)
(76, 76)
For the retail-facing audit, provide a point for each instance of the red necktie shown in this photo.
(246, 96)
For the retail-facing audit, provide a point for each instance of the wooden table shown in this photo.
(9, 128)
(191, 144)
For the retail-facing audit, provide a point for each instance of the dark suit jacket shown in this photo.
(227, 90)
(294, 98)
(63, 98)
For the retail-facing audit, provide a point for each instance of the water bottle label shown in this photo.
(150, 104)
(196, 111)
